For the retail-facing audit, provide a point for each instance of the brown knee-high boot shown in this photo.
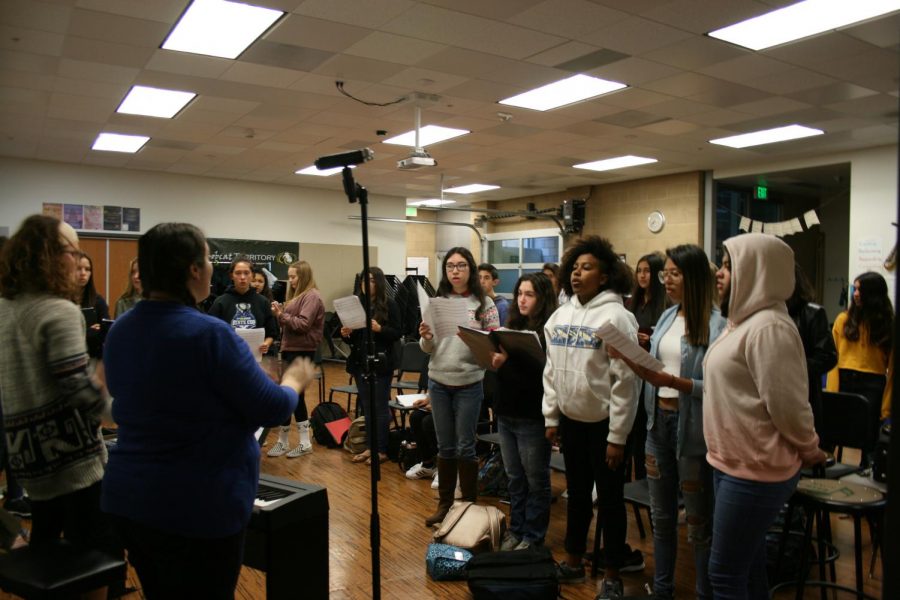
(446, 487)
(468, 479)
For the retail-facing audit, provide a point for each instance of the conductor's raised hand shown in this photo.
(298, 374)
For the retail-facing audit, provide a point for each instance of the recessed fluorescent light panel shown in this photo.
(220, 28)
(767, 136)
(472, 188)
(117, 142)
(620, 162)
(312, 170)
(565, 91)
(154, 102)
(431, 202)
(428, 136)
(801, 20)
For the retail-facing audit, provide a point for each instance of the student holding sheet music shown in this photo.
(302, 320)
(181, 481)
(242, 307)
(455, 381)
(673, 400)
(385, 315)
(591, 400)
(525, 448)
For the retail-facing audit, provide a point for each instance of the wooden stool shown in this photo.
(57, 570)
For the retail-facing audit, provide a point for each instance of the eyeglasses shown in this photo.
(675, 274)
(457, 267)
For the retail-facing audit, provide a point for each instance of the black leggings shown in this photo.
(287, 357)
(421, 423)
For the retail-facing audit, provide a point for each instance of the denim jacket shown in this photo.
(690, 406)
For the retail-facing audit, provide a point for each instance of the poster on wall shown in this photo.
(112, 218)
(131, 219)
(93, 218)
(73, 214)
(53, 209)
(274, 257)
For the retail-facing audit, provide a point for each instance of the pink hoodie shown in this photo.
(756, 416)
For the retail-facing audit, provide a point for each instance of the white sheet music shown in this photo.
(408, 399)
(350, 311)
(254, 339)
(424, 303)
(613, 336)
(447, 314)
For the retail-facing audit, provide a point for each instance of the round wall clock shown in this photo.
(656, 221)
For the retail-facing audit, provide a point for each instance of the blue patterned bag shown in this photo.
(446, 563)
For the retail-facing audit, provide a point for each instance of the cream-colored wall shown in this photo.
(420, 241)
(618, 211)
(222, 208)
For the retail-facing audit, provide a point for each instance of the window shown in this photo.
(520, 252)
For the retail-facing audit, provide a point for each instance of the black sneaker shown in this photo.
(633, 562)
(611, 589)
(21, 507)
(567, 574)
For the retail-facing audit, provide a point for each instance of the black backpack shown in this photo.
(513, 575)
(326, 412)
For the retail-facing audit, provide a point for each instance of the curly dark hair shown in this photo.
(165, 256)
(546, 304)
(445, 288)
(874, 312)
(619, 277)
(31, 261)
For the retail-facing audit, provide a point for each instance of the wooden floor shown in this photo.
(404, 503)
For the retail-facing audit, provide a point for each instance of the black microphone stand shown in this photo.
(357, 193)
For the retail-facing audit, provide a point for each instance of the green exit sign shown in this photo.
(761, 192)
(411, 211)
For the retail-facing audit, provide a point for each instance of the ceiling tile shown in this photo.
(343, 66)
(424, 80)
(879, 32)
(495, 9)
(563, 53)
(635, 35)
(670, 127)
(106, 53)
(634, 71)
(726, 94)
(31, 40)
(460, 61)
(377, 13)
(792, 80)
(117, 29)
(316, 33)
(188, 64)
(165, 11)
(394, 48)
(260, 75)
(745, 68)
(695, 53)
(77, 69)
(702, 16)
(26, 80)
(567, 18)
(881, 104)
(818, 49)
(285, 56)
(82, 87)
(35, 15)
(770, 106)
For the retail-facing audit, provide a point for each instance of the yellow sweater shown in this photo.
(858, 356)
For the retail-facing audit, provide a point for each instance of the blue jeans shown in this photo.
(665, 471)
(382, 410)
(744, 512)
(526, 458)
(455, 411)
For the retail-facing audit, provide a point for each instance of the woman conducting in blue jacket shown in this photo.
(676, 452)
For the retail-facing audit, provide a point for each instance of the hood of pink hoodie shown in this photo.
(762, 273)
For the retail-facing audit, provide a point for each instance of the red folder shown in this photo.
(338, 429)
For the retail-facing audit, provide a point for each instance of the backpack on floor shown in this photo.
(492, 479)
(513, 575)
(323, 413)
(356, 438)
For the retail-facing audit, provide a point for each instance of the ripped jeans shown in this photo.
(666, 474)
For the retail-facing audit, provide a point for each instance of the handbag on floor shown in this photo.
(446, 563)
(472, 526)
(513, 575)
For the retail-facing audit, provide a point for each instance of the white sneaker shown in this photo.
(278, 449)
(419, 471)
(300, 450)
(434, 482)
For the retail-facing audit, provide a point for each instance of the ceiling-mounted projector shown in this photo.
(417, 160)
